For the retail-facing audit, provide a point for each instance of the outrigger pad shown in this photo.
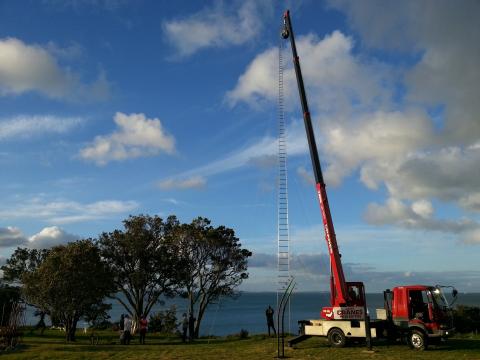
(298, 339)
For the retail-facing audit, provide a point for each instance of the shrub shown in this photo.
(243, 334)
(467, 318)
(164, 321)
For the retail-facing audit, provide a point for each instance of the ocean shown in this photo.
(247, 311)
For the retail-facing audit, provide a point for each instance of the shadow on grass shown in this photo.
(448, 346)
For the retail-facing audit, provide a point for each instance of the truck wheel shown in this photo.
(417, 340)
(336, 338)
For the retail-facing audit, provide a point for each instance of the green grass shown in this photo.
(52, 346)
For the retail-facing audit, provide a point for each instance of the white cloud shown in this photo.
(11, 237)
(136, 136)
(49, 237)
(46, 238)
(423, 208)
(448, 173)
(418, 215)
(305, 175)
(377, 143)
(333, 75)
(447, 72)
(25, 126)
(258, 81)
(471, 201)
(63, 211)
(196, 182)
(223, 25)
(259, 153)
(418, 144)
(25, 68)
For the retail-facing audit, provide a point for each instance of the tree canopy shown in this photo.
(70, 283)
(215, 264)
(144, 265)
(22, 261)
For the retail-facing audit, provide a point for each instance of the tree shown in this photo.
(22, 261)
(25, 261)
(215, 264)
(70, 283)
(144, 265)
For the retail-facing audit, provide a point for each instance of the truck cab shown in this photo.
(420, 313)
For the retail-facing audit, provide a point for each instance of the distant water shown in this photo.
(248, 311)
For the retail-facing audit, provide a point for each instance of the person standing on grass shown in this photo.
(191, 327)
(127, 329)
(184, 327)
(143, 329)
(269, 314)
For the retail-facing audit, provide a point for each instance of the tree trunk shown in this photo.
(201, 312)
(70, 329)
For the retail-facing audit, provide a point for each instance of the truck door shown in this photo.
(420, 307)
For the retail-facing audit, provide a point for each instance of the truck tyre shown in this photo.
(417, 340)
(336, 338)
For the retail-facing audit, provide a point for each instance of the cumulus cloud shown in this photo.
(195, 182)
(419, 215)
(11, 237)
(64, 211)
(258, 81)
(375, 143)
(136, 136)
(46, 238)
(25, 68)
(49, 237)
(26, 126)
(334, 76)
(222, 25)
(420, 143)
(447, 72)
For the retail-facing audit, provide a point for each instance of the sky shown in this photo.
(111, 108)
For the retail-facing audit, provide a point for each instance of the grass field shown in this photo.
(52, 346)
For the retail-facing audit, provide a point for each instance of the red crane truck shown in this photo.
(418, 313)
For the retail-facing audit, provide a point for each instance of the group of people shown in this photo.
(188, 327)
(126, 325)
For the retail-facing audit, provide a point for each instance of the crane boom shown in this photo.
(338, 286)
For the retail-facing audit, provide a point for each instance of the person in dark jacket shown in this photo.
(269, 314)
(191, 327)
(184, 327)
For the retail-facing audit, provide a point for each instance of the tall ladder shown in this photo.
(283, 234)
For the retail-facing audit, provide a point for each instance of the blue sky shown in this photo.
(110, 108)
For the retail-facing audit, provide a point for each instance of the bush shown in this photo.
(467, 318)
(164, 321)
(243, 334)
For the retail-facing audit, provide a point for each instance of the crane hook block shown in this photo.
(285, 33)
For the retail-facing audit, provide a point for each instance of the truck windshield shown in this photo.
(439, 298)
